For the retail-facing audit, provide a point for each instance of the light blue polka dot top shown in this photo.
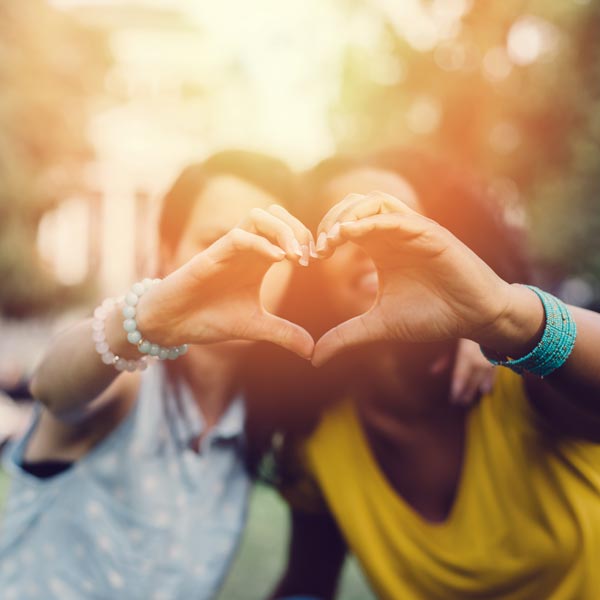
(141, 516)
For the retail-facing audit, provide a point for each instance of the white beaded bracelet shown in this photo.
(130, 325)
(99, 338)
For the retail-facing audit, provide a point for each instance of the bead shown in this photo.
(182, 349)
(154, 350)
(100, 313)
(102, 347)
(138, 288)
(147, 282)
(134, 337)
(129, 325)
(108, 358)
(131, 299)
(144, 347)
(121, 364)
(173, 354)
(98, 336)
(163, 353)
(129, 311)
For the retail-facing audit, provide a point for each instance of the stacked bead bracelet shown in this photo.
(556, 345)
(99, 337)
(133, 334)
(130, 325)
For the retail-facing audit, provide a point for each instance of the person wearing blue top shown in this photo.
(135, 486)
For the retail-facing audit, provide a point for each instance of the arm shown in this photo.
(186, 307)
(71, 380)
(316, 554)
(435, 288)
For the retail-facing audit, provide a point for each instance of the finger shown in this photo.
(372, 204)
(328, 221)
(471, 371)
(487, 384)
(360, 231)
(359, 330)
(460, 374)
(276, 230)
(470, 391)
(353, 208)
(239, 241)
(302, 233)
(288, 335)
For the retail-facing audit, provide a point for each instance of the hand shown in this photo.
(472, 374)
(431, 286)
(215, 296)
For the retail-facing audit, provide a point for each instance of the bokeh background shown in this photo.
(102, 103)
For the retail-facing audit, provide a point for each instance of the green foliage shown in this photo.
(552, 104)
(49, 68)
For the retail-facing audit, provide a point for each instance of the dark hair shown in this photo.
(265, 172)
(450, 194)
(296, 394)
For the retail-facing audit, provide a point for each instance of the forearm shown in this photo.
(71, 373)
(520, 328)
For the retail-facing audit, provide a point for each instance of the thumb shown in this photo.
(288, 335)
(359, 330)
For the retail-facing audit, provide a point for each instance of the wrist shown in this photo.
(116, 336)
(147, 319)
(519, 327)
(138, 310)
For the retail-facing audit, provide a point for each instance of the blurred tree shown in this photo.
(50, 69)
(512, 91)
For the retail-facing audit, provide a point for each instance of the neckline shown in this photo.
(413, 515)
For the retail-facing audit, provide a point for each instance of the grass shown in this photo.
(262, 554)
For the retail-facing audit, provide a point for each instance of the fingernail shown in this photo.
(334, 231)
(322, 242)
(305, 256)
(296, 247)
(312, 249)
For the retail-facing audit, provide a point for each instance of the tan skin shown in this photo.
(417, 438)
(415, 431)
(236, 234)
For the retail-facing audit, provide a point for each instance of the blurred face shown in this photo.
(350, 273)
(222, 204)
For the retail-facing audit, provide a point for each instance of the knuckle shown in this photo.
(238, 237)
(256, 213)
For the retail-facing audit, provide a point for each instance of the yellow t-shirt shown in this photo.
(525, 523)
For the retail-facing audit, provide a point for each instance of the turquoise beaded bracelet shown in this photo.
(556, 344)
(130, 325)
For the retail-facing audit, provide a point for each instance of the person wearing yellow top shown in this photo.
(439, 501)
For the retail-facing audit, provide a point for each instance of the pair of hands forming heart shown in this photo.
(431, 286)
